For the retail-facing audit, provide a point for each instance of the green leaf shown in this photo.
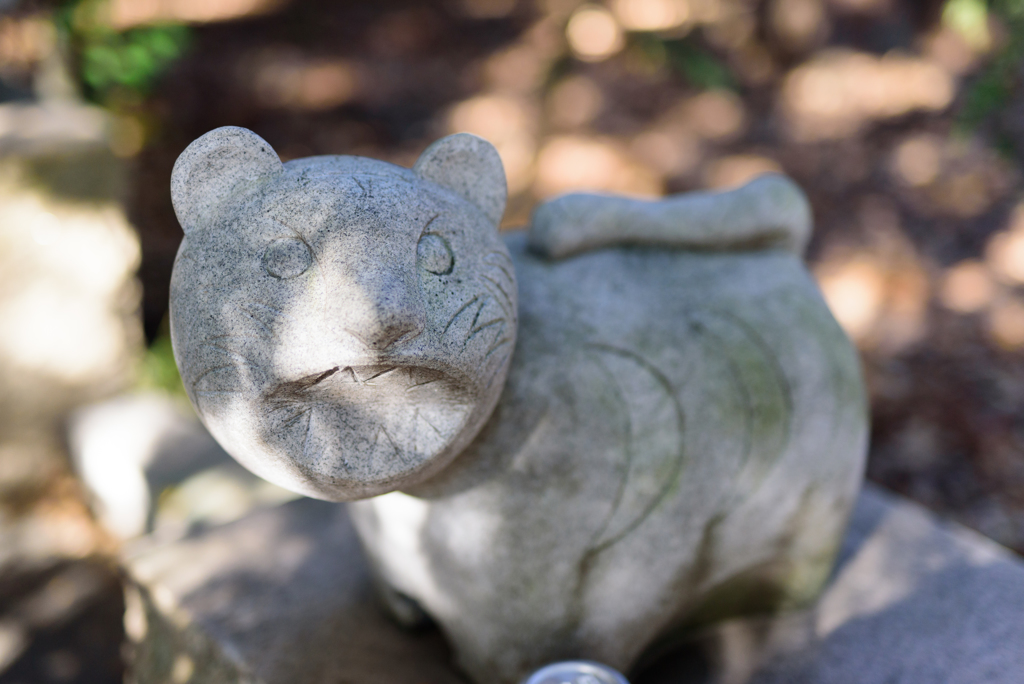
(698, 66)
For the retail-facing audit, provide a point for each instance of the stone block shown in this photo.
(912, 600)
(284, 595)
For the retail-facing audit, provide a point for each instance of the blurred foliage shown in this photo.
(686, 57)
(158, 370)
(699, 67)
(996, 84)
(114, 64)
(970, 19)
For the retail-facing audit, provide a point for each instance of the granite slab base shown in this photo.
(284, 595)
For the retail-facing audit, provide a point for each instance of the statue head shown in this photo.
(343, 326)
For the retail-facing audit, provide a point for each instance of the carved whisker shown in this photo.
(246, 338)
(305, 439)
(295, 418)
(507, 307)
(271, 309)
(504, 293)
(233, 354)
(381, 430)
(484, 326)
(431, 426)
(461, 309)
(210, 370)
(501, 274)
(255, 319)
(502, 261)
(498, 344)
(479, 310)
(362, 188)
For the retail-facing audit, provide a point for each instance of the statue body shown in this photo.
(659, 427)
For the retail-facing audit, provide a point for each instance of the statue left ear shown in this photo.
(469, 166)
(213, 167)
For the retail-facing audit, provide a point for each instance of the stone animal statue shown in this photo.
(634, 419)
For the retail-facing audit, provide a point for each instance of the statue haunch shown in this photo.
(634, 419)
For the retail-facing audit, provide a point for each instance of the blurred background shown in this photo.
(902, 119)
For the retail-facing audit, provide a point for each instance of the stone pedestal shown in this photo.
(283, 595)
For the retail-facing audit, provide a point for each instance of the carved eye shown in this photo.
(287, 258)
(434, 254)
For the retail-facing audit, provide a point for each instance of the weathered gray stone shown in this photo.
(913, 600)
(285, 596)
(770, 211)
(681, 434)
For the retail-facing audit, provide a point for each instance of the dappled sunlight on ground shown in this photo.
(287, 78)
(837, 93)
(968, 287)
(593, 33)
(879, 290)
(569, 163)
(799, 24)
(509, 124)
(1005, 250)
(879, 297)
(652, 15)
(917, 160)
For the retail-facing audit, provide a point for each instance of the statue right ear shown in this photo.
(213, 167)
(471, 167)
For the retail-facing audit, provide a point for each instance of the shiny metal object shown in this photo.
(576, 672)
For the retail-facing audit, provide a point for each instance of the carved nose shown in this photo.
(382, 328)
(378, 305)
(384, 312)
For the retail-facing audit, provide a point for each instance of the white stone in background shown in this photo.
(679, 441)
(151, 466)
(111, 444)
(52, 127)
(68, 298)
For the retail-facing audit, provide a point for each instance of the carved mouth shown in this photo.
(344, 379)
(365, 423)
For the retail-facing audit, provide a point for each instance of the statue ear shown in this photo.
(212, 168)
(471, 167)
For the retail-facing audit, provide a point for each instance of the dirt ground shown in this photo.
(903, 120)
